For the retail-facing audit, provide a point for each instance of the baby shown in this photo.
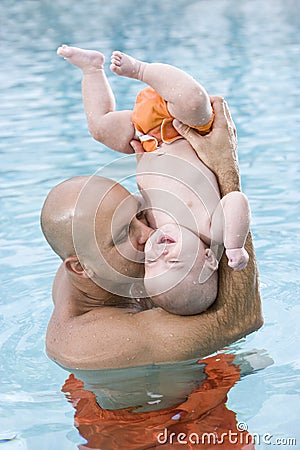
(180, 193)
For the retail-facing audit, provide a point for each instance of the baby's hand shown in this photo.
(237, 258)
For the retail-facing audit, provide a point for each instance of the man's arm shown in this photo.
(115, 337)
(237, 309)
(235, 313)
(238, 305)
(218, 149)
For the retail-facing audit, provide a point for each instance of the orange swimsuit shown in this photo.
(203, 413)
(153, 121)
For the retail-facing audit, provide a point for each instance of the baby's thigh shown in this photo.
(116, 130)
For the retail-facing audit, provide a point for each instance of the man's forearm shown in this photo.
(238, 303)
(228, 179)
(235, 313)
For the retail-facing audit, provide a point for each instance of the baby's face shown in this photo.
(170, 253)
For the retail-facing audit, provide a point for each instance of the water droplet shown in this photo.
(153, 395)
(154, 402)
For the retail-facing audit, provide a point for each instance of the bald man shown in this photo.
(95, 226)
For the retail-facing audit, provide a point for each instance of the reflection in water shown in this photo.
(139, 408)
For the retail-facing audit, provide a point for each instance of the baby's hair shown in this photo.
(188, 297)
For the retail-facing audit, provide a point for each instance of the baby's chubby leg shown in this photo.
(112, 128)
(187, 99)
(86, 60)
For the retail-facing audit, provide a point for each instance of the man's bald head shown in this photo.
(59, 208)
(93, 221)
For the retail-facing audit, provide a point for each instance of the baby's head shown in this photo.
(180, 271)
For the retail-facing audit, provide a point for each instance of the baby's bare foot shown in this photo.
(86, 60)
(127, 66)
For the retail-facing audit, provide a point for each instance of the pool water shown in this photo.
(245, 51)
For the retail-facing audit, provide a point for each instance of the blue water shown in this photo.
(245, 51)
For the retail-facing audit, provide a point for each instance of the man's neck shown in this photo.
(85, 295)
(91, 301)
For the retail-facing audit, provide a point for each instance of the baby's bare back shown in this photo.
(180, 186)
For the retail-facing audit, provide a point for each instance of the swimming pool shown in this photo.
(246, 51)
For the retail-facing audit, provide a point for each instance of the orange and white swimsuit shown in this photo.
(204, 413)
(153, 121)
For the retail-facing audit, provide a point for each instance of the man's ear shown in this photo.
(73, 265)
(209, 267)
(211, 260)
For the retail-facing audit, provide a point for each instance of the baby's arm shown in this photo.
(231, 222)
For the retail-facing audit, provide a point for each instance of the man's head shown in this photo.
(95, 226)
(180, 270)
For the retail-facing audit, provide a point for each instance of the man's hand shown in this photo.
(218, 149)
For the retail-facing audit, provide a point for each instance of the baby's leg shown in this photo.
(113, 128)
(86, 60)
(187, 100)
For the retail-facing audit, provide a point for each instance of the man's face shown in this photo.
(121, 232)
(109, 235)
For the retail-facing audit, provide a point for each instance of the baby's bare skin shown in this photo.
(86, 60)
(104, 120)
(126, 66)
(90, 60)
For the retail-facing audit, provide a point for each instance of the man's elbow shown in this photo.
(248, 326)
(258, 323)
